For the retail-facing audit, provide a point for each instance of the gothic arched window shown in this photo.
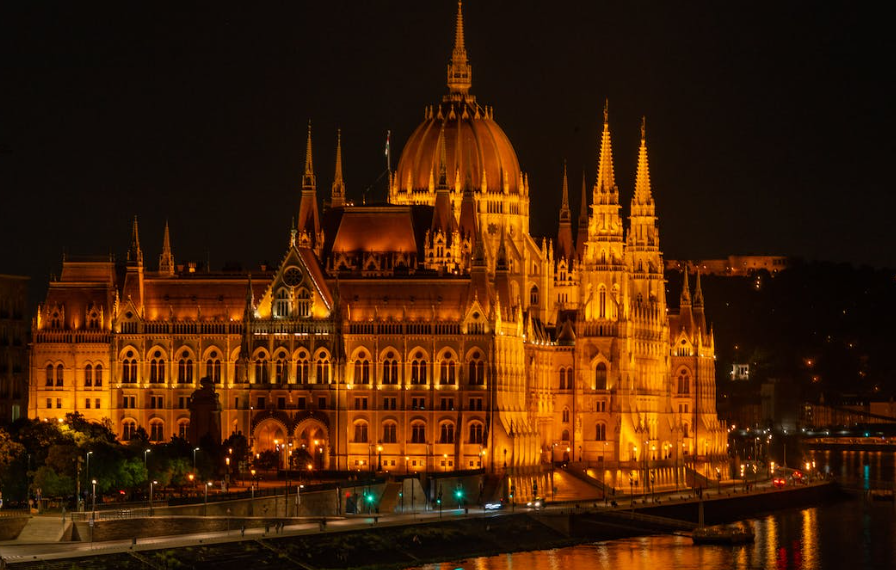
(418, 369)
(157, 368)
(600, 376)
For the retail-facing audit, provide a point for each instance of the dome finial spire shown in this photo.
(459, 70)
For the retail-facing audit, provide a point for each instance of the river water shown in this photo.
(848, 534)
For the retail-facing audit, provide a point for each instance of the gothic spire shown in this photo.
(685, 289)
(309, 181)
(459, 70)
(564, 235)
(606, 181)
(135, 254)
(582, 232)
(643, 195)
(443, 214)
(309, 220)
(698, 292)
(337, 196)
(166, 260)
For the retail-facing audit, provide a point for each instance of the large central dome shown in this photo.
(479, 154)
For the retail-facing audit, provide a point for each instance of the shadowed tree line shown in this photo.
(52, 456)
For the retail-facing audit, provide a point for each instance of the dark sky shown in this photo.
(769, 124)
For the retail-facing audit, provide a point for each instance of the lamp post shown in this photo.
(145, 452)
(379, 458)
(205, 501)
(151, 484)
(195, 449)
(369, 455)
(252, 485)
(87, 474)
(444, 462)
(93, 509)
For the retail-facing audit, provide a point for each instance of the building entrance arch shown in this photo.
(270, 435)
(312, 445)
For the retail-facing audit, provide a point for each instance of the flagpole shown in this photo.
(388, 152)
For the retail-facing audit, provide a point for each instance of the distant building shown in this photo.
(13, 348)
(781, 404)
(740, 372)
(733, 265)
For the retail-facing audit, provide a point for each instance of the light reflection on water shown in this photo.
(847, 534)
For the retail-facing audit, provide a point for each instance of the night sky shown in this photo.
(769, 124)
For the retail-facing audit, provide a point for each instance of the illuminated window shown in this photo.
(281, 304)
(128, 429)
(533, 295)
(60, 375)
(389, 432)
(446, 433)
(261, 371)
(281, 368)
(129, 368)
(49, 374)
(98, 376)
(476, 433)
(602, 302)
(360, 432)
(418, 433)
(362, 369)
(476, 370)
(303, 303)
(601, 432)
(157, 368)
(185, 370)
(600, 376)
(88, 376)
(322, 369)
(213, 367)
(390, 369)
(448, 372)
(303, 368)
(684, 382)
(156, 431)
(418, 369)
(183, 429)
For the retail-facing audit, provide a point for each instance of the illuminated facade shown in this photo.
(431, 334)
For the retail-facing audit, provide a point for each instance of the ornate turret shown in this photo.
(605, 191)
(699, 314)
(337, 194)
(582, 230)
(565, 249)
(309, 221)
(166, 259)
(460, 73)
(135, 254)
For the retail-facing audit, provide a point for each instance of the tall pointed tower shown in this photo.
(582, 229)
(643, 241)
(309, 220)
(166, 259)
(337, 194)
(565, 249)
(604, 266)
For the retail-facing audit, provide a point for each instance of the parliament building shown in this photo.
(429, 334)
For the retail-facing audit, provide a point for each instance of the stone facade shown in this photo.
(431, 334)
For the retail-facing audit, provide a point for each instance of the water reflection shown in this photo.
(858, 533)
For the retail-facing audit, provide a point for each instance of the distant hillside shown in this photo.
(829, 327)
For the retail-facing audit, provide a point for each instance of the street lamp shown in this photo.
(445, 462)
(379, 459)
(87, 474)
(151, 484)
(144, 458)
(195, 449)
(94, 498)
(205, 504)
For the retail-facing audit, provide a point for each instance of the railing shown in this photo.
(73, 336)
(403, 328)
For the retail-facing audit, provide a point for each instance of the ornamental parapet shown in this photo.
(82, 337)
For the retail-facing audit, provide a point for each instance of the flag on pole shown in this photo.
(388, 154)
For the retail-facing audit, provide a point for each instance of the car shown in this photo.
(493, 506)
(536, 503)
(779, 482)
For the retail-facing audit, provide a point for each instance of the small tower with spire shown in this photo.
(309, 221)
(643, 241)
(135, 253)
(582, 230)
(166, 259)
(337, 194)
(460, 73)
(565, 249)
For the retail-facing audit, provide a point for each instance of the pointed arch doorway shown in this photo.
(312, 444)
